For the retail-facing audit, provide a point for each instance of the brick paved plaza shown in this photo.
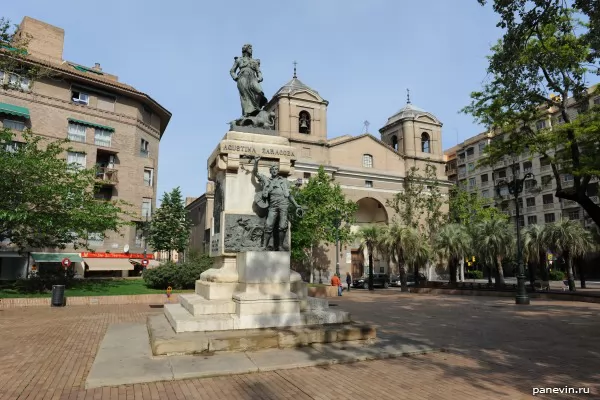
(497, 351)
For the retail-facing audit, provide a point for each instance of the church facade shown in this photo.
(369, 169)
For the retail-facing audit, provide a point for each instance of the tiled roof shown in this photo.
(348, 138)
(409, 111)
(294, 85)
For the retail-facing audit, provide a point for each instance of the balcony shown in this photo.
(470, 157)
(531, 209)
(548, 206)
(484, 184)
(451, 172)
(570, 204)
(461, 161)
(107, 176)
(462, 175)
(545, 167)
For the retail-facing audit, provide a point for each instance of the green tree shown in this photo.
(371, 237)
(535, 247)
(469, 209)
(546, 48)
(324, 203)
(451, 243)
(170, 225)
(570, 240)
(420, 204)
(46, 202)
(493, 242)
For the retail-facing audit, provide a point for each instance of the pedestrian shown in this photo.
(335, 281)
(348, 280)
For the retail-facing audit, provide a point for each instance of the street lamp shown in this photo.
(337, 222)
(515, 187)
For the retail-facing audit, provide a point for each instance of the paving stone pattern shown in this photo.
(498, 351)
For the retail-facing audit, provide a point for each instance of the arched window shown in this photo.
(304, 122)
(395, 142)
(367, 161)
(425, 143)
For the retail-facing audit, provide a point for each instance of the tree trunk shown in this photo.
(532, 276)
(569, 265)
(499, 274)
(452, 267)
(581, 273)
(489, 274)
(543, 266)
(416, 274)
(403, 285)
(371, 270)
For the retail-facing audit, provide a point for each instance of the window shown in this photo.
(462, 170)
(549, 218)
(597, 100)
(530, 184)
(504, 191)
(484, 178)
(541, 124)
(548, 199)
(574, 215)
(146, 208)
(148, 175)
(485, 193)
(482, 146)
(102, 137)
(472, 183)
(470, 166)
(15, 125)
(76, 158)
(544, 161)
(139, 235)
(367, 161)
(395, 142)
(521, 221)
(502, 174)
(530, 201)
(306, 175)
(304, 122)
(369, 184)
(470, 151)
(144, 148)
(527, 166)
(76, 132)
(80, 97)
(567, 177)
(95, 239)
(546, 180)
(425, 143)
(532, 220)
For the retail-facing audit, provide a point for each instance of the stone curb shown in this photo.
(491, 293)
(90, 300)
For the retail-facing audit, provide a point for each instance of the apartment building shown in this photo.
(537, 203)
(112, 126)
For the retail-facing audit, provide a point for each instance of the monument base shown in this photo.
(267, 294)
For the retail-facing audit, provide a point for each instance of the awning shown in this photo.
(109, 264)
(14, 110)
(93, 125)
(55, 257)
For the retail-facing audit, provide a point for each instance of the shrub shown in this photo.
(474, 274)
(45, 279)
(178, 276)
(556, 275)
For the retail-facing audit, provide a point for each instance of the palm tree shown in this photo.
(400, 241)
(534, 251)
(371, 238)
(451, 242)
(570, 240)
(421, 255)
(494, 240)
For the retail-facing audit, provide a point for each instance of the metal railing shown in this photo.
(107, 175)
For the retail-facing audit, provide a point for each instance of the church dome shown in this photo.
(293, 86)
(410, 112)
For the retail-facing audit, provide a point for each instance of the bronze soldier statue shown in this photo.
(276, 197)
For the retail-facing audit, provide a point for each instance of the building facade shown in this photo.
(537, 202)
(369, 169)
(112, 127)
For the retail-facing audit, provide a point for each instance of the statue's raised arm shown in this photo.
(259, 177)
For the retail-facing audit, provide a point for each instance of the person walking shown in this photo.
(335, 281)
(348, 280)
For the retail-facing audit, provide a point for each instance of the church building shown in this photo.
(369, 169)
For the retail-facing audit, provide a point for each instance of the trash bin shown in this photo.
(58, 296)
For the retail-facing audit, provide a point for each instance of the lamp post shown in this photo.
(515, 187)
(337, 222)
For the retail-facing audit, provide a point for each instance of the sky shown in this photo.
(360, 55)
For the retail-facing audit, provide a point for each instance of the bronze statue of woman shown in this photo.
(248, 81)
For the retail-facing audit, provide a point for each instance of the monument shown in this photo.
(251, 285)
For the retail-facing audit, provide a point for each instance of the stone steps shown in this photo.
(164, 341)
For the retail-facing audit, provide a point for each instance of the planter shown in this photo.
(322, 291)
